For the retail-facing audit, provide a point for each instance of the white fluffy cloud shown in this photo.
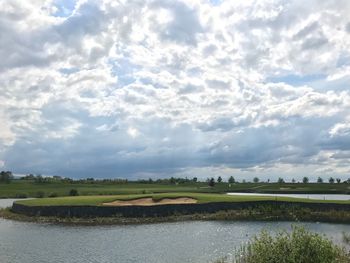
(139, 88)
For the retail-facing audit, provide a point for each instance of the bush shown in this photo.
(40, 194)
(21, 195)
(297, 246)
(73, 192)
(53, 194)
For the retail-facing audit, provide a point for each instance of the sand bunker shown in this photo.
(150, 201)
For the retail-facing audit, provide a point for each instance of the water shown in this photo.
(308, 196)
(199, 241)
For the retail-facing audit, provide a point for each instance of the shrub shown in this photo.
(40, 194)
(73, 192)
(21, 195)
(53, 194)
(297, 246)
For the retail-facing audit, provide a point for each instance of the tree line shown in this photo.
(7, 177)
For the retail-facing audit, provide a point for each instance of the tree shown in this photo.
(6, 177)
(280, 180)
(231, 180)
(319, 180)
(293, 181)
(211, 182)
(195, 179)
(219, 179)
(305, 180)
(338, 180)
(331, 180)
(256, 180)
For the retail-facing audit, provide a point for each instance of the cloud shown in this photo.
(160, 88)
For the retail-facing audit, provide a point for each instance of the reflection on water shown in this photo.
(308, 196)
(199, 241)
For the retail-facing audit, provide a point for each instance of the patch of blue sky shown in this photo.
(297, 80)
(343, 59)
(64, 7)
(68, 71)
(215, 2)
(123, 70)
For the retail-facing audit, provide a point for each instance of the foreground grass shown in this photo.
(200, 197)
(297, 246)
(22, 188)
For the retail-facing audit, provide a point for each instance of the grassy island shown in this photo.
(147, 208)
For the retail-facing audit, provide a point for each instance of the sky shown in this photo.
(160, 88)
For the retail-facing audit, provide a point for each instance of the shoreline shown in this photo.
(331, 216)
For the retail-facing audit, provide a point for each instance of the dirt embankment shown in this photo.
(150, 202)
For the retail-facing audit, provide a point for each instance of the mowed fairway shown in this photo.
(200, 197)
(19, 188)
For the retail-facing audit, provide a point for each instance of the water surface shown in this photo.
(193, 241)
(308, 196)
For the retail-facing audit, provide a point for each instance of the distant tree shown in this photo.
(39, 179)
(57, 177)
(319, 180)
(331, 180)
(293, 181)
(338, 180)
(172, 180)
(305, 180)
(256, 180)
(195, 179)
(211, 182)
(219, 179)
(150, 180)
(6, 177)
(231, 180)
(73, 192)
(268, 180)
(28, 177)
(244, 181)
(280, 180)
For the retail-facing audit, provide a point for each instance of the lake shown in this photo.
(193, 241)
(308, 196)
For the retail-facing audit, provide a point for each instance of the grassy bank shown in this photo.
(200, 197)
(28, 188)
(264, 213)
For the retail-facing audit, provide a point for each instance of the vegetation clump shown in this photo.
(40, 194)
(297, 246)
(73, 192)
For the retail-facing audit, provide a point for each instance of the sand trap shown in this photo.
(150, 201)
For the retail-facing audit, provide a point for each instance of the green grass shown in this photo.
(30, 189)
(200, 197)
